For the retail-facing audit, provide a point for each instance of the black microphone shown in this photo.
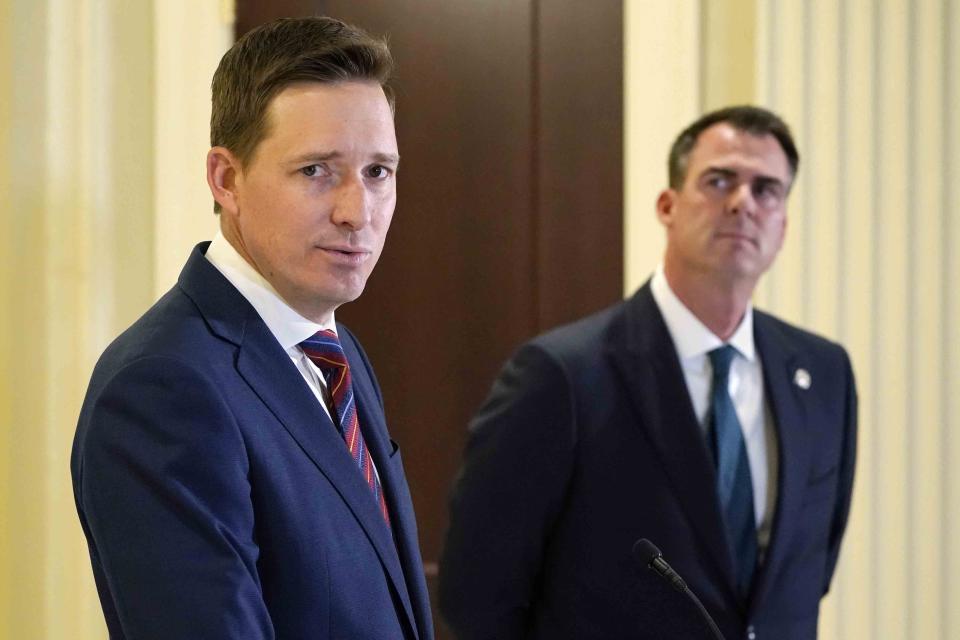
(647, 554)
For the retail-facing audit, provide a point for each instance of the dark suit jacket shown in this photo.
(589, 442)
(218, 499)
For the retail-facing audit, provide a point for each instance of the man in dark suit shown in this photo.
(682, 415)
(232, 467)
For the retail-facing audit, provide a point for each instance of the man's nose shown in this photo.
(741, 201)
(352, 208)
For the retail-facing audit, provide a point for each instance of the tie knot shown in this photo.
(720, 358)
(324, 349)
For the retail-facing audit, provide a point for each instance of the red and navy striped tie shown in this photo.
(324, 350)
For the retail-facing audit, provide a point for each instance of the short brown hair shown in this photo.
(750, 119)
(275, 55)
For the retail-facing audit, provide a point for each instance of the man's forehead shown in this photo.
(303, 114)
(724, 144)
(329, 99)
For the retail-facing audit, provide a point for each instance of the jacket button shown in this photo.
(751, 633)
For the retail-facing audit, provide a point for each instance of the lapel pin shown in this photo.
(802, 378)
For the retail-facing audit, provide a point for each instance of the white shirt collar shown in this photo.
(691, 337)
(289, 327)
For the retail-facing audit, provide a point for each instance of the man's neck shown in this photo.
(718, 304)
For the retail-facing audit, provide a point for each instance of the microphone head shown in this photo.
(645, 552)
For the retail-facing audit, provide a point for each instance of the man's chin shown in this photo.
(341, 295)
(741, 269)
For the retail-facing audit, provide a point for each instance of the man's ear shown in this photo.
(665, 202)
(223, 168)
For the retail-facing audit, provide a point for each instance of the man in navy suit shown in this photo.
(682, 415)
(232, 467)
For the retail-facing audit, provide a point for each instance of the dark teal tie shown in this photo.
(734, 487)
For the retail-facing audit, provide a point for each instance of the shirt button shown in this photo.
(751, 633)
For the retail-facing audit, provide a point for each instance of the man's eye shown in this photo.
(719, 182)
(311, 170)
(769, 193)
(378, 171)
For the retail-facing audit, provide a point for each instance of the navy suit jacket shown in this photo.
(589, 442)
(218, 499)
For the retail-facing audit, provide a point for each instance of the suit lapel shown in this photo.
(267, 369)
(645, 358)
(780, 364)
(409, 566)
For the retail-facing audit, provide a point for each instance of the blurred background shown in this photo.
(534, 136)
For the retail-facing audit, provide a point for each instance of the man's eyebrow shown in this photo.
(721, 170)
(730, 173)
(321, 156)
(387, 158)
(315, 156)
(773, 180)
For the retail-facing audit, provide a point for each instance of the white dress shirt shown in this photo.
(287, 326)
(693, 341)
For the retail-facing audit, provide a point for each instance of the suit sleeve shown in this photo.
(846, 473)
(517, 465)
(163, 493)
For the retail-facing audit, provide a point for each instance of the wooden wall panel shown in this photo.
(452, 294)
(579, 157)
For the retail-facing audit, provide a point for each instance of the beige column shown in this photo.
(661, 94)
(727, 49)
(182, 200)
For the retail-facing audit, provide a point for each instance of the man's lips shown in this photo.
(345, 254)
(737, 235)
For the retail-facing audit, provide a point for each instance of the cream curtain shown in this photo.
(103, 134)
(872, 90)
